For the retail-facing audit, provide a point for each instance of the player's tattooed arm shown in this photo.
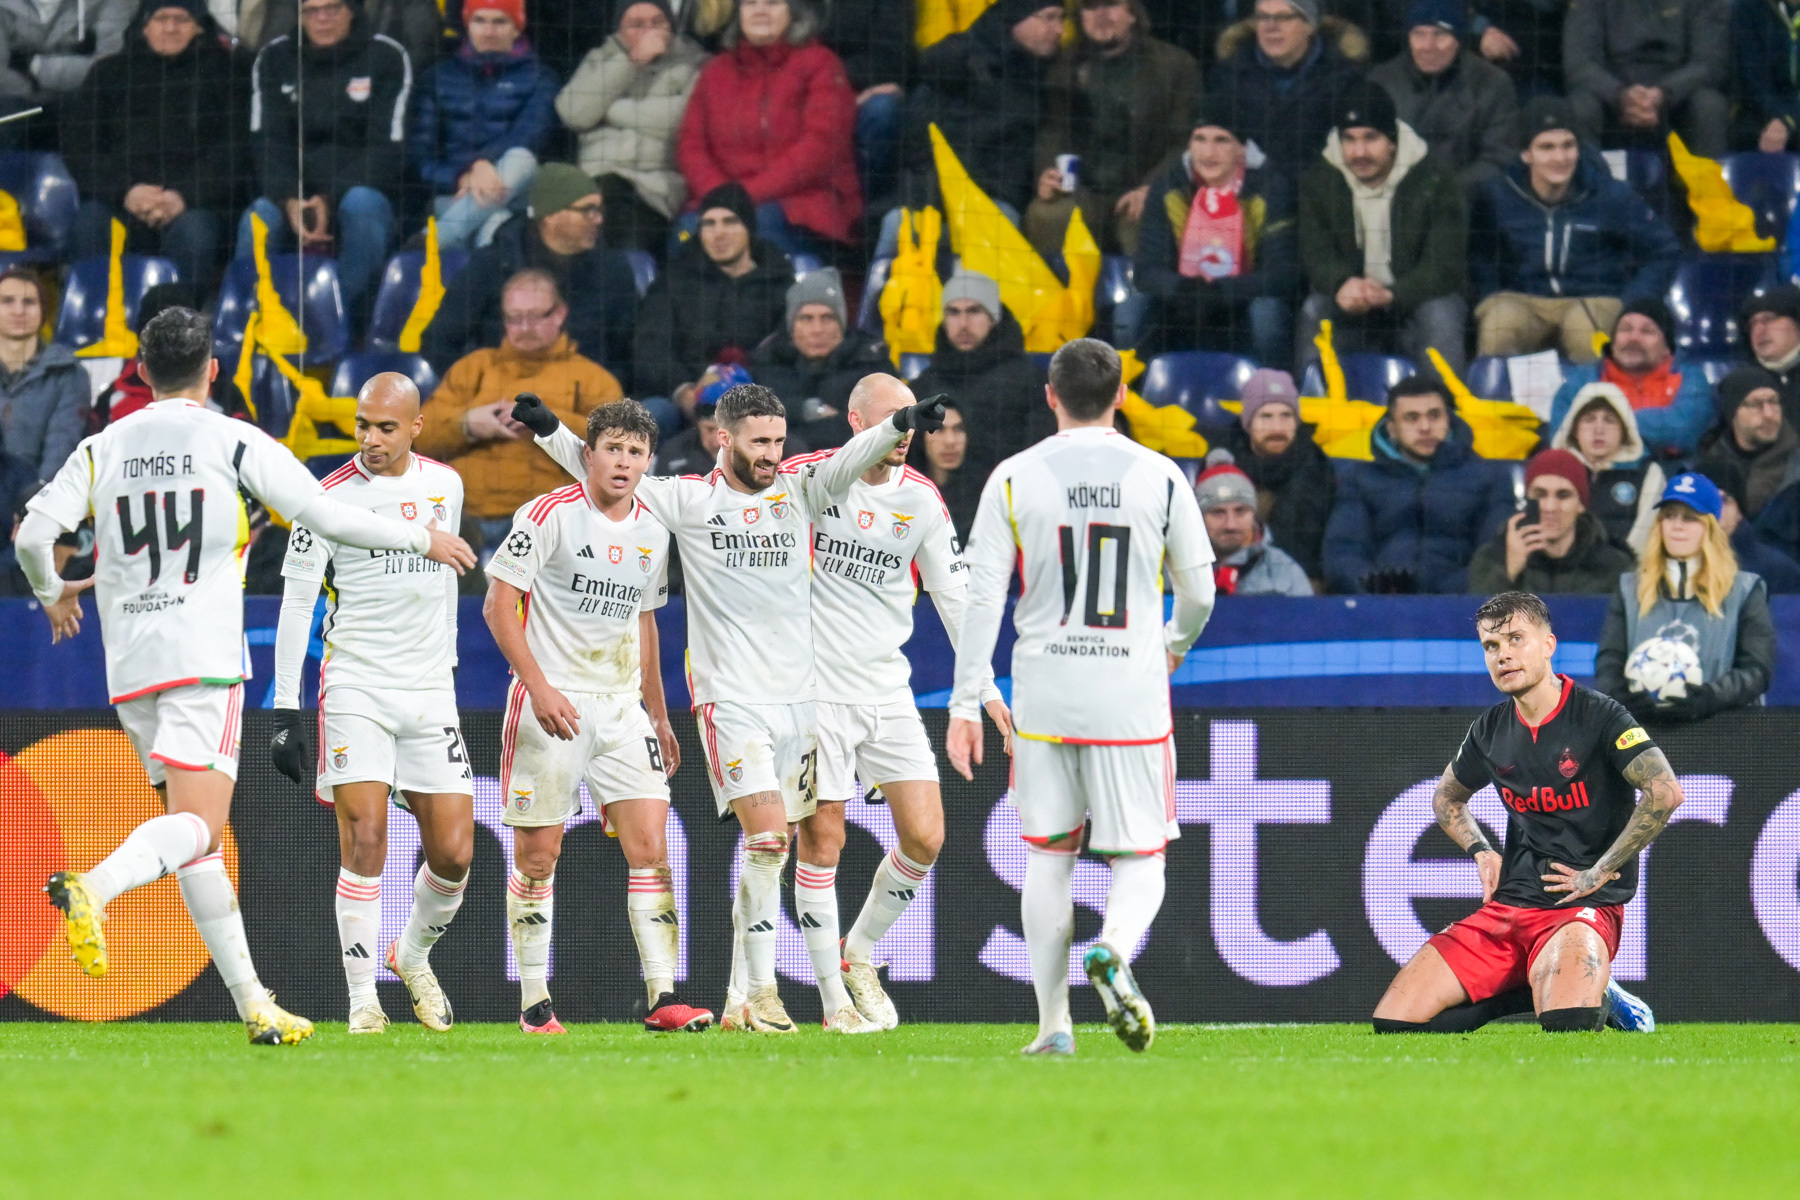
(1659, 795)
(1451, 804)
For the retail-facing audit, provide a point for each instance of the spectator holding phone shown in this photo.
(1555, 546)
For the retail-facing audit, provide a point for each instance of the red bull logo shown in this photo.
(1546, 799)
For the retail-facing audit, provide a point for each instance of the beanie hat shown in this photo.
(1657, 311)
(1563, 465)
(514, 10)
(1267, 386)
(1451, 16)
(1783, 301)
(621, 7)
(823, 286)
(1696, 491)
(1543, 114)
(1368, 106)
(725, 377)
(558, 186)
(1219, 109)
(1308, 10)
(1223, 482)
(1013, 11)
(1736, 387)
(973, 285)
(733, 198)
(193, 8)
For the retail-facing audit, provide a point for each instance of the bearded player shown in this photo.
(571, 597)
(742, 533)
(1093, 522)
(1585, 791)
(889, 536)
(387, 722)
(162, 486)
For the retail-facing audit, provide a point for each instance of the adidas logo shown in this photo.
(905, 894)
(830, 512)
(356, 951)
(761, 927)
(808, 921)
(437, 930)
(535, 918)
(717, 520)
(665, 918)
(585, 552)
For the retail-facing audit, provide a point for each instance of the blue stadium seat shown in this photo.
(1647, 171)
(1488, 379)
(273, 396)
(1768, 184)
(643, 270)
(356, 370)
(1714, 367)
(82, 319)
(1707, 293)
(805, 263)
(320, 311)
(399, 292)
(1113, 287)
(47, 203)
(1366, 376)
(913, 365)
(868, 311)
(1197, 380)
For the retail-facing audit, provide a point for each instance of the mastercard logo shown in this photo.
(66, 802)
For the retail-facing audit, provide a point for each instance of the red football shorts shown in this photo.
(1492, 950)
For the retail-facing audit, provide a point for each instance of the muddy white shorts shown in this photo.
(754, 748)
(410, 740)
(615, 752)
(195, 727)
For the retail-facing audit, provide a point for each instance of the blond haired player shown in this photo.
(742, 533)
(1093, 522)
(162, 487)
(387, 701)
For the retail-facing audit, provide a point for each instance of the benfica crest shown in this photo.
(644, 558)
(340, 756)
(437, 508)
(408, 510)
(865, 519)
(778, 506)
(735, 769)
(902, 524)
(615, 555)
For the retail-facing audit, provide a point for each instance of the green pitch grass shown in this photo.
(927, 1111)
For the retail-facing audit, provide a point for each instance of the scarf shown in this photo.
(1679, 574)
(1212, 244)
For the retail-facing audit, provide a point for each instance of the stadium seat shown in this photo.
(1366, 376)
(1768, 184)
(1488, 379)
(357, 369)
(1647, 173)
(913, 365)
(1714, 367)
(1707, 293)
(399, 292)
(868, 312)
(321, 312)
(1113, 287)
(81, 321)
(1197, 380)
(643, 270)
(805, 264)
(47, 203)
(271, 394)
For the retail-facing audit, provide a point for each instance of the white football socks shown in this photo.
(435, 901)
(1047, 913)
(1133, 900)
(759, 892)
(816, 908)
(650, 904)
(359, 933)
(530, 908)
(211, 902)
(158, 847)
(896, 879)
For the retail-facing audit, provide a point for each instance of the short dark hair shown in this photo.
(1085, 375)
(1421, 385)
(25, 274)
(747, 400)
(175, 347)
(621, 416)
(1500, 609)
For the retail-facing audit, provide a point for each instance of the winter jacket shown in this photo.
(1260, 569)
(627, 117)
(1624, 492)
(1394, 514)
(1288, 112)
(999, 390)
(43, 413)
(597, 285)
(873, 38)
(781, 120)
(1743, 684)
(1679, 47)
(695, 314)
(1670, 428)
(1767, 471)
(1777, 568)
(1766, 59)
(353, 131)
(500, 476)
(418, 25)
(1427, 218)
(1123, 115)
(473, 106)
(61, 55)
(1601, 240)
(1591, 567)
(1467, 113)
(777, 364)
(142, 118)
(1295, 491)
(1268, 203)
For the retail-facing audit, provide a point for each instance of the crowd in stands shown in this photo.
(1423, 175)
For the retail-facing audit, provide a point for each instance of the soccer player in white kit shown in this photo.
(1093, 521)
(571, 597)
(162, 486)
(387, 722)
(872, 552)
(742, 533)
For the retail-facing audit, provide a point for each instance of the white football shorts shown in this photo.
(615, 751)
(754, 748)
(195, 727)
(881, 743)
(1125, 794)
(410, 740)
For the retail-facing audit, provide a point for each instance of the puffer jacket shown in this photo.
(627, 117)
(998, 388)
(1623, 492)
(478, 106)
(1467, 113)
(43, 412)
(1288, 112)
(1394, 514)
(695, 314)
(1673, 403)
(62, 55)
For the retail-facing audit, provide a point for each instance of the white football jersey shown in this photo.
(586, 578)
(170, 531)
(390, 618)
(1089, 518)
(744, 557)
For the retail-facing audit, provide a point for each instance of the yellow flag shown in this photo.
(938, 19)
(314, 410)
(1341, 425)
(1167, 428)
(116, 340)
(1502, 428)
(12, 224)
(912, 303)
(244, 373)
(431, 292)
(281, 334)
(1722, 224)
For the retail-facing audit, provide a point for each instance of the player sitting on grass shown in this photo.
(387, 701)
(571, 594)
(1568, 762)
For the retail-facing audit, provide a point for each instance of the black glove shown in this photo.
(927, 416)
(529, 411)
(1700, 702)
(287, 749)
